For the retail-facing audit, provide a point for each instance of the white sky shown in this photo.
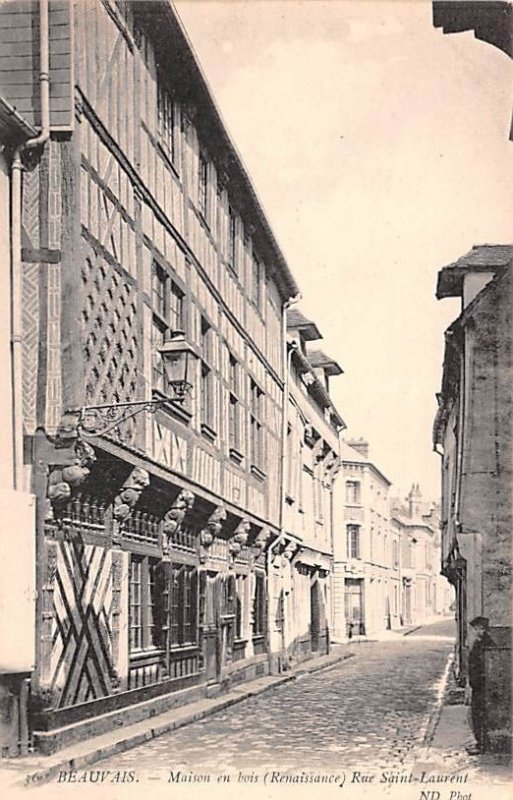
(379, 149)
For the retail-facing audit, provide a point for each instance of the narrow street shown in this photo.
(369, 709)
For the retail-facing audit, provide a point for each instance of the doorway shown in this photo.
(315, 616)
(354, 610)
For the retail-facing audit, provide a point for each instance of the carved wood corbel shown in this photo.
(174, 518)
(240, 537)
(66, 477)
(211, 530)
(262, 539)
(126, 499)
(290, 550)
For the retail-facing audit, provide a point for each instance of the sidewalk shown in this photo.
(41, 769)
(449, 744)
(398, 633)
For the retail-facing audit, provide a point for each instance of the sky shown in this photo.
(379, 149)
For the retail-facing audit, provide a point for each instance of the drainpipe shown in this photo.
(16, 272)
(272, 547)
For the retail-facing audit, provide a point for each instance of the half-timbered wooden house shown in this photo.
(304, 559)
(144, 249)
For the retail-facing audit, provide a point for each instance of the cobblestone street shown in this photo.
(370, 709)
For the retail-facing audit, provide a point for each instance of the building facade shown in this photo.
(425, 593)
(367, 557)
(473, 433)
(311, 466)
(152, 374)
(387, 553)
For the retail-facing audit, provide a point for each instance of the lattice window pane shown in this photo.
(176, 308)
(158, 374)
(135, 604)
(232, 239)
(166, 122)
(259, 606)
(202, 185)
(159, 290)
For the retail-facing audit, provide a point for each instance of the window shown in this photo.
(142, 599)
(256, 277)
(395, 553)
(352, 493)
(176, 308)
(232, 239)
(318, 495)
(255, 422)
(353, 541)
(234, 409)
(166, 123)
(184, 605)
(239, 606)
(259, 625)
(206, 393)
(203, 186)
(160, 325)
(159, 291)
(168, 303)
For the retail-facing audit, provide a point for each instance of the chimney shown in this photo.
(360, 445)
(414, 501)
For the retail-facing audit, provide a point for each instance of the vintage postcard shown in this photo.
(255, 532)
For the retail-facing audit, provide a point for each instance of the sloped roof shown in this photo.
(12, 125)
(482, 258)
(318, 358)
(298, 322)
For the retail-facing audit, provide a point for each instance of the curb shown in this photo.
(435, 715)
(45, 775)
(412, 630)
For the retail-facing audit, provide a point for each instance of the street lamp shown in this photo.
(175, 353)
(97, 420)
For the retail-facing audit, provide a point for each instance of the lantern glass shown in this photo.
(175, 355)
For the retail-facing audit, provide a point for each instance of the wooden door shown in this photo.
(315, 615)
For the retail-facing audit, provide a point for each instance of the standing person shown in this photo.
(476, 677)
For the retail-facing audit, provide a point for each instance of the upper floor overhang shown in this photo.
(316, 388)
(491, 21)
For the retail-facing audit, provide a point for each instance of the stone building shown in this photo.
(150, 376)
(366, 585)
(424, 591)
(473, 433)
(311, 466)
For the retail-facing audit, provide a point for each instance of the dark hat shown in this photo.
(479, 622)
